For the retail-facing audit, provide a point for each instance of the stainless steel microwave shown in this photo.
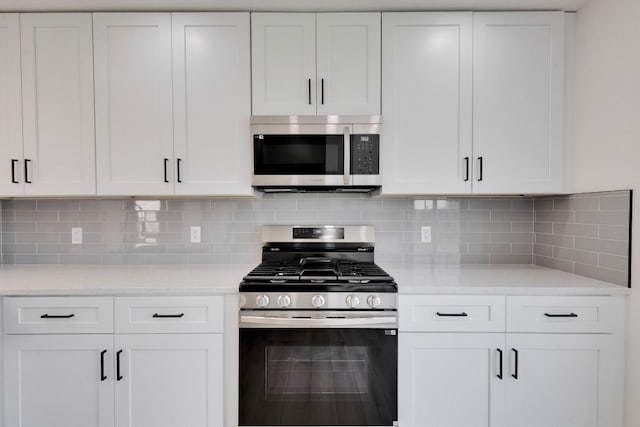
(316, 153)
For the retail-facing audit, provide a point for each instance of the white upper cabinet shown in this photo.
(348, 63)
(284, 63)
(212, 103)
(133, 87)
(427, 77)
(57, 91)
(295, 73)
(11, 165)
(518, 105)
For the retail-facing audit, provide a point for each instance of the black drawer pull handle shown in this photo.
(463, 314)
(178, 164)
(500, 374)
(102, 375)
(481, 160)
(167, 316)
(515, 366)
(57, 316)
(560, 315)
(309, 81)
(13, 171)
(118, 376)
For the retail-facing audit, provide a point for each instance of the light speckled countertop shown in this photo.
(218, 280)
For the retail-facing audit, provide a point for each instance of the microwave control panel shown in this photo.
(365, 154)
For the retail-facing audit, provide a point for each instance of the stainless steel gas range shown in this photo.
(318, 331)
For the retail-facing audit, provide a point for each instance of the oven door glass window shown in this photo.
(313, 377)
(298, 154)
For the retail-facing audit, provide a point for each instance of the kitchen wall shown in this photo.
(607, 135)
(464, 231)
(585, 234)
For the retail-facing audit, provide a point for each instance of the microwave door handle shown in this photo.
(347, 155)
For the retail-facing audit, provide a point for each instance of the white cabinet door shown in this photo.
(348, 63)
(57, 381)
(562, 380)
(426, 87)
(169, 380)
(283, 63)
(212, 103)
(11, 166)
(450, 380)
(518, 102)
(57, 91)
(133, 89)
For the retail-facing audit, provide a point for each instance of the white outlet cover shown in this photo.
(425, 234)
(195, 234)
(76, 235)
(418, 204)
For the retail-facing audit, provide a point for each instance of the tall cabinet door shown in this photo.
(426, 87)
(212, 103)
(58, 381)
(57, 90)
(562, 380)
(518, 102)
(169, 380)
(134, 123)
(11, 166)
(348, 63)
(450, 380)
(283, 63)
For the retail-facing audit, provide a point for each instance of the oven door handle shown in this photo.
(289, 321)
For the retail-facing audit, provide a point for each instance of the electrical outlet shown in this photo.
(196, 234)
(76, 235)
(425, 234)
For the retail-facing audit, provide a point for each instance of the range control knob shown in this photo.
(317, 301)
(373, 301)
(262, 301)
(284, 300)
(353, 301)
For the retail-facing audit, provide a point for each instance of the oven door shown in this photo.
(318, 375)
(301, 155)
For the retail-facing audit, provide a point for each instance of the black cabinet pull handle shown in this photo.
(309, 81)
(560, 315)
(118, 376)
(13, 171)
(500, 373)
(178, 164)
(466, 174)
(322, 91)
(515, 374)
(167, 316)
(57, 316)
(102, 375)
(481, 171)
(26, 171)
(166, 161)
(463, 314)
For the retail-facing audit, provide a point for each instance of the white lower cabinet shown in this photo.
(98, 378)
(169, 380)
(449, 379)
(518, 377)
(563, 380)
(56, 381)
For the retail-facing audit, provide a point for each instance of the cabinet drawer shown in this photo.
(563, 314)
(456, 313)
(169, 314)
(58, 315)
